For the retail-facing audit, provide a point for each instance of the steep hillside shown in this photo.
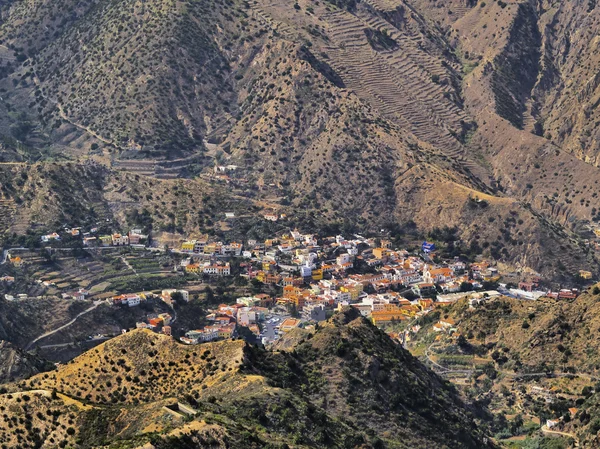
(16, 364)
(536, 336)
(21, 322)
(44, 197)
(347, 385)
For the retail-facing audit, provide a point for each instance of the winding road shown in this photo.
(64, 326)
(545, 429)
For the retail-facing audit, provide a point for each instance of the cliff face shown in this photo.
(569, 98)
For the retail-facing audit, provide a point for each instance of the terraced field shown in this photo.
(402, 73)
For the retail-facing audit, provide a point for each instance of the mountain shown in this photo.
(346, 384)
(372, 112)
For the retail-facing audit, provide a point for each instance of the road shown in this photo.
(64, 326)
(557, 432)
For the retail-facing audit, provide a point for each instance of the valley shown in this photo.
(321, 223)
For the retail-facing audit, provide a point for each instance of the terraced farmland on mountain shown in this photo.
(413, 107)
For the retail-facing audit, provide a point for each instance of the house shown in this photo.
(425, 303)
(226, 331)
(16, 260)
(246, 316)
(188, 246)
(388, 316)
(437, 327)
(439, 275)
(526, 286)
(78, 296)
(87, 241)
(7, 279)
(48, 237)
(166, 330)
(217, 270)
(136, 236)
(192, 268)
(271, 217)
(165, 318)
(587, 275)
(131, 299)
(447, 323)
(119, 240)
(155, 322)
(317, 275)
(105, 240)
(380, 253)
(232, 249)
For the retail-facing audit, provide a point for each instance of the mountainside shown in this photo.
(345, 385)
(536, 336)
(16, 364)
(374, 112)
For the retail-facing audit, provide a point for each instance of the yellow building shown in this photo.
(386, 317)
(192, 268)
(290, 290)
(585, 274)
(380, 253)
(354, 289)
(106, 240)
(210, 248)
(317, 275)
(188, 246)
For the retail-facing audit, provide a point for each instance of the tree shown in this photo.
(177, 297)
(209, 295)
(293, 311)
(466, 287)
(462, 342)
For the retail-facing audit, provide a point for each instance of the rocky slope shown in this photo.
(16, 364)
(345, 385)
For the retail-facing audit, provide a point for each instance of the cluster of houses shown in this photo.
(156, 322)
(90, 238)
(251, 312)
(318, 275)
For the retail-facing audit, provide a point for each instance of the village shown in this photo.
(295, 279)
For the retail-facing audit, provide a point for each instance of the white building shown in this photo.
(246, 316)
(305, 271)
